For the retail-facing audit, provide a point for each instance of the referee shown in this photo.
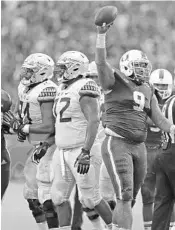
(165, 175)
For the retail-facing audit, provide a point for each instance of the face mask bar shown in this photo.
(26, 73)
(161, 87)
(141, 70)
(59, 70)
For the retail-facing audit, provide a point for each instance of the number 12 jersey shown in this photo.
(70, 122)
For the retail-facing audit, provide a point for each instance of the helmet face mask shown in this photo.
(136, 65)
(36, 68)
(26, 76)
(73, 64)
(141, 70)
(163, 82)
(59, 71)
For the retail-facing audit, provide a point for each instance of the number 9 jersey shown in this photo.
(71, 123)
(127, 106)
(30, 102)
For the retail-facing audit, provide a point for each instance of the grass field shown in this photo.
(15, 214)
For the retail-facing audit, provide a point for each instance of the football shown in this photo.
(105, 15)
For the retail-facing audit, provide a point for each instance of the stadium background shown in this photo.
(53, 27)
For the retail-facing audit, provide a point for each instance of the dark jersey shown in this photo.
(5, 158)
(127, 106)
(3, 143)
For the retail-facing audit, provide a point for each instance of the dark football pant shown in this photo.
(149, 185)
(165, 189)
(5, 171)
(126, 164)
(77, 213)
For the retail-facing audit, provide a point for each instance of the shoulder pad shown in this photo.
(119, 75)
(90, 89)
(47, 94)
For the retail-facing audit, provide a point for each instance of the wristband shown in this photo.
(46, 144)
(101, 41)
(85, 151)
(25, 129)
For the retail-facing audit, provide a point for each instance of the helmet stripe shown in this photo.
(161, 74)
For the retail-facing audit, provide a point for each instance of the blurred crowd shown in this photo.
(53, 27)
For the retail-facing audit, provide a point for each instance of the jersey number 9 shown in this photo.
(139, 99)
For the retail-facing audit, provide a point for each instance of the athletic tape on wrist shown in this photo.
(101, 41)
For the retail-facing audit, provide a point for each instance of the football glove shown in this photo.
(6, 129)
(83, 161)
(10, 120)
(39, 152)
(21, 135)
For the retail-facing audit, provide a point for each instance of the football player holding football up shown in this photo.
(36, 123)
(162, 81)
(129, 100)
(77, 158)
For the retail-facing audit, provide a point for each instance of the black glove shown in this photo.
(83, 161)
(6, 129)
(21, 135)
(39, 152)
(11, 121)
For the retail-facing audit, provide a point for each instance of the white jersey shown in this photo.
(70, 123)
(29, 106)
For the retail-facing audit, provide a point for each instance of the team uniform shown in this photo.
(70, 136)
(127, 107)
(5, 165)
(5, 156)
(38, 176)
(165, 174)
(153, 145)
(161, 79)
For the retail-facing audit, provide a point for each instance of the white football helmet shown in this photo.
(162, 81)
(74, 64)
(136, 65)
(36, 68)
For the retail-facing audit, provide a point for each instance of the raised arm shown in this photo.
(105, 72)
(158, 118)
